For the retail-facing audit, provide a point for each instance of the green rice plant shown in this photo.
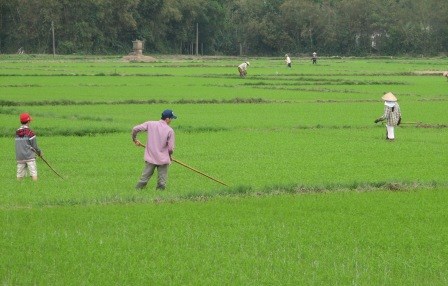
(316, 194)
(349, 237)
(103, 165)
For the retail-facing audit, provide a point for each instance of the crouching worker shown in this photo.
(242, 68)
(26, 149)
(392, 114)
(158, 150)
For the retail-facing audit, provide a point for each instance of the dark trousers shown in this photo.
(162, 175)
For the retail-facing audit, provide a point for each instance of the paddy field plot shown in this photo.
(316, 195)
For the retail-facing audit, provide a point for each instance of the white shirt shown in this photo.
(243, 66)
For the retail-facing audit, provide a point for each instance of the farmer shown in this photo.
(314, 58)
(242, 68)
(26, 149)
(288, 61)
(158, 150)
(392, 114)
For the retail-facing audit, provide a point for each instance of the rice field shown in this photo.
(316, 195)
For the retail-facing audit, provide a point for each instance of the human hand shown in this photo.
(138, 143)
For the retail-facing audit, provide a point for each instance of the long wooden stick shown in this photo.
(416, 123)
(193, 169)
(199, 172)
(410, 123)
(40, 156)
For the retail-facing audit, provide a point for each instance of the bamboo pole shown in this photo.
(193, 169)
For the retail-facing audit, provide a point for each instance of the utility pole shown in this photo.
(197, 39)
(52, 32)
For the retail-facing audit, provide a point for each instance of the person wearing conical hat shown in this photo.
(242, 69)
(392, 114)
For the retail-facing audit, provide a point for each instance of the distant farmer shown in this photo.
(392, 114)
(158, 150)
(242, 68)
(288, 60)
(314, 58)
(26, 149)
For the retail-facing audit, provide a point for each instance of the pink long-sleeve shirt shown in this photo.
(160, 142)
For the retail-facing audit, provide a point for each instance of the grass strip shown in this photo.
(143, 197)
(235, 100)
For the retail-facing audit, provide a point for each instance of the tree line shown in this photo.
(226, 27)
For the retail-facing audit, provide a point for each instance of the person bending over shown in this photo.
(158, 149)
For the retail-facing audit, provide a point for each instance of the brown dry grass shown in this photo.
(139, 58)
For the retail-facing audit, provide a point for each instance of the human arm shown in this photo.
(34, 146)
(384, 116)
(170, 144)
(135, 131)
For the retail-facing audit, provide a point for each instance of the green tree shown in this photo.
(259, 27)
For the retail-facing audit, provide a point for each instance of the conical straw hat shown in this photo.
(389, 97)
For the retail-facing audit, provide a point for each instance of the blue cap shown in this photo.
(168, 113)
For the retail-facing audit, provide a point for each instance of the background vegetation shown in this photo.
(252, 27)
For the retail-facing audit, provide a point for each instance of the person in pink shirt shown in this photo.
(158, 150)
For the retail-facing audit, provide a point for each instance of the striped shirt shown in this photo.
(391, 114)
